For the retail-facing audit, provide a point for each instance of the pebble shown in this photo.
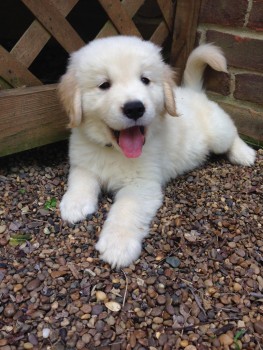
(2, 228)
(18, 287)
(101, 296)
(258, 326)
(3, 342)
(9, 310)
(225, 339)
(173, 261)
(65, 322)
(97, 309)
(161, 299)
(28, 346)
(237, 287)
(184, 343)
(45, 332)
(35, 283)
(86, 338)
(86, 308)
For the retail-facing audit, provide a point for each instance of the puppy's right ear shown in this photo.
(168, 88)
(70, 96)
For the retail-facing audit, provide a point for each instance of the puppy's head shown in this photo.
(113, 90)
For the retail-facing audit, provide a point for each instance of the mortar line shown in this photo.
(249, 7)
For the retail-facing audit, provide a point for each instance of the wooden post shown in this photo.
(184, 35)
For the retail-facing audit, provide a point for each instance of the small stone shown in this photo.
(113, 306)
(232, 244)
(45, 332)
(65, 322)
(190, 347)
(139, 334)
(2, 228)
(110, 320)
(97, 309)
(3, 342)
(17, 287)
(161, 299)
(3, 241)
(258, 326)
(132, 340)
(35, 283)
(75, 296)
(54, 306)
(101, 296)
(28, 346)
(225, 339)
(157, 320)
(86, 308)
(241, 324)
(56, 274)
(173, 261)
(9, 310)
(228, 185)
(86, 338)
(237, 287)
(184, 343)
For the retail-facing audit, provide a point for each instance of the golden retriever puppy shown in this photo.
(122, 102)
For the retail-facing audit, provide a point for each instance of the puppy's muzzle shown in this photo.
(134, 109)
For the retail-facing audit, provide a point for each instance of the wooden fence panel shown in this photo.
(29, 118)
(32, 116)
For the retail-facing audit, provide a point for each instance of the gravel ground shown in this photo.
(197, 285)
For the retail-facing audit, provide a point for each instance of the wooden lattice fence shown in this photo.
(30, 114)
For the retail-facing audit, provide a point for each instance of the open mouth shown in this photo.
(131, 140)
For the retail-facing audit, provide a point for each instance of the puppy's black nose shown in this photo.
(134, 109)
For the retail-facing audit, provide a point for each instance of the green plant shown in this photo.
(50, 204)
(19, 239)
(239, 334)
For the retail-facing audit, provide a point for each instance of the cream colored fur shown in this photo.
(173, 145)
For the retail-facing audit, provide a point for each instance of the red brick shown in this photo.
(217, 81)
(256, 16)
(225, 12)
(249, 121)
(249, 87)
(241, 52)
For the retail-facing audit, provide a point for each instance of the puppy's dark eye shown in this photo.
(105, 86)
(145, 80)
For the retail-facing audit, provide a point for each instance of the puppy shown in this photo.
(122, 102)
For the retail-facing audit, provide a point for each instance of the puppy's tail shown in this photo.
(207, 54)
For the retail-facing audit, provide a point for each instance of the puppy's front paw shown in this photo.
(119, 249)
(75, 208)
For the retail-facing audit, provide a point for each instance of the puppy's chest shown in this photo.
(114, 170)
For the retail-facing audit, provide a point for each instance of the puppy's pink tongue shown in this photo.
(131, 142)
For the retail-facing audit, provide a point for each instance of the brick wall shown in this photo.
(237, 27)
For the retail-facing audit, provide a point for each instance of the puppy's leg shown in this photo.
(128, 223)
(223, 138)
(81, 197)
(241, 153)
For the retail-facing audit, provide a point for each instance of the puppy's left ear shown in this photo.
(168, 88)
(70, 97)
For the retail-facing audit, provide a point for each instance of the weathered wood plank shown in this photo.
(36, 36)
(55, 23)
(160, 34)
(30, 117)
(168, 10)
(119, 17)
(131, 8)
(185, 27)
(15, 73)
